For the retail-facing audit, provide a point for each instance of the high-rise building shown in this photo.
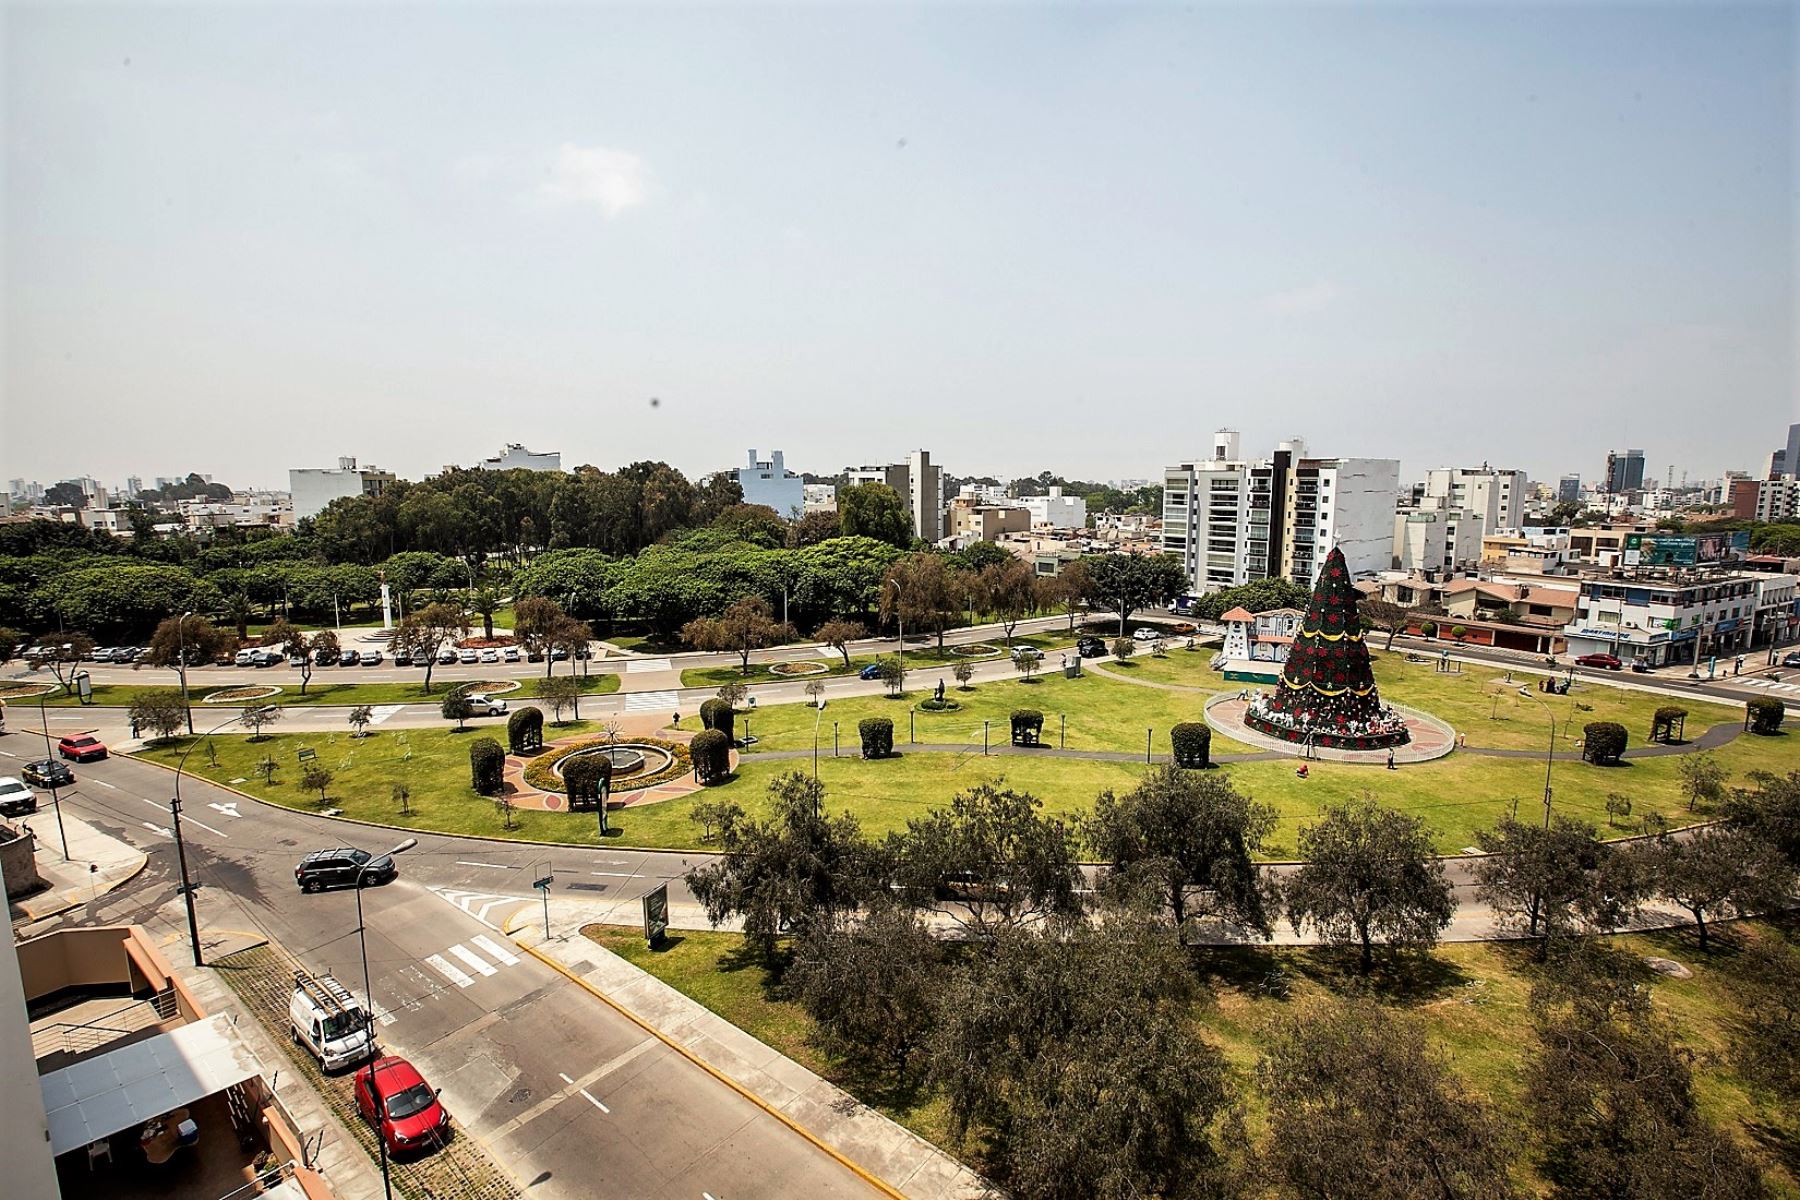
(1568, 489)
(1495, 496)
(1790, 455)
(771, 484)
(1231, 521)
(315, 487)
(1625, 471)
(133, 485)
(920, 484)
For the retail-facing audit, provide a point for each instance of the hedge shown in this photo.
(711, 751)
(1603, 742)
(1027, 726)
(1664, 722)
(1766, 714)
(877, 736)
(1192, 743)
(487, 765)
(525, 730)
(583, 778)
(720, 715)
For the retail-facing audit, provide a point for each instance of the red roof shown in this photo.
(1240, 613)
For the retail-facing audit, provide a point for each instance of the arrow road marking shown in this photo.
(158, 829)
(229, 810)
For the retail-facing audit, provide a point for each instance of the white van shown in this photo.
(324, 1017)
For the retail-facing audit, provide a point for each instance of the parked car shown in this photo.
(872, 671)
(328, 1019)
(534, 656)
(80, 747)
(1090, 647)
(339, 867)
(244, 658)
(296, 660)
(410, 1118)
(101, 654)
(49, 772)
(558, 654)
(468, 656)
(371, 658)
(1606, 661)
(485, 706)
(267, 658)
(510, 654)
(490, 656)
(403, 658)
(348, 658)
(1791, 659)
(446, 656)
(324, 658)
(15, 798)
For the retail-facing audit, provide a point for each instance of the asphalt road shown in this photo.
(569, 1095)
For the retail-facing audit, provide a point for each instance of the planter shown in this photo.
(27, 691)
(795, 669)
(654, 760)
(240, 695)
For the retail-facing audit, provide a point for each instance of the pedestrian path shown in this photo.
(1792, 689)
(481, 955)
(637, 666)
(480, 905)
(664, 701)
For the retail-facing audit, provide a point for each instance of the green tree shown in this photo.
(1553, 881)
(870, 987)
(1766, 1047)
(1369, 874)
(295, 643)
(1124, 583)
(1702, 779)
(424, 632)
(360, 718)
(1067, 589)
(1190, 836)
(456, 707)
(875, 510)
(1008, 591)
(744, 628)
(559, 692)
(813, 528)
(316, 777)
(921, 590)
(256, 717)
(838, 634)
(196, 637)
(158, 711)
(1719, 867)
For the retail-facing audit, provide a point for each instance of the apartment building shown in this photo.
(986, 522)
(514, 457)
(1057, 510)
(1776, 499)
(1682, 618)
(312, 488)
(920, 483)
(769, 483)
(1231, 521)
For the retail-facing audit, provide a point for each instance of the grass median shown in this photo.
(321, 692)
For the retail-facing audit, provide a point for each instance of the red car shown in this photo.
(81, 747)
(412, 1119)
(1608, 661)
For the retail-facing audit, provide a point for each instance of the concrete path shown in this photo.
(898, 1161)
(96, 864)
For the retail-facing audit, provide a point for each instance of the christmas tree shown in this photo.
(1327, 688)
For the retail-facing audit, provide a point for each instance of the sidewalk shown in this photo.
(902, 1163)
(97, 864)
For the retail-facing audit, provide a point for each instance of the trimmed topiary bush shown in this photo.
(1027, 726)
(719, 715)
(1603, 742)
(711, 751)
(877, 737)
(487, 766)
(1668, 723)
(1765, 714)
(1428, 628)
(525, 730)
(584, 777)
(1192, 744)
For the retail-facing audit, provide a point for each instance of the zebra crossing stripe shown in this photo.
(453, 974)
(651, 701)
(496, 950)
(478, 963)
(639, 665)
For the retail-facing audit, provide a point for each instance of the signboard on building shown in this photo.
(1669, 550)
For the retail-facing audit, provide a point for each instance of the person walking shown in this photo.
(1391, 766)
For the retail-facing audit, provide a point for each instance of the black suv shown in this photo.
(340, 867)
(1090, 647)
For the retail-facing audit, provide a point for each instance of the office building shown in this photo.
(1568, 489)
(1231, 520)
(975, 521)
(772, 485)
(1790, 454)
(1667, 621)
(315, 487)
(920, 484)
(1766, 499)
(1624, 471)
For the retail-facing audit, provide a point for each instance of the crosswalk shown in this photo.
(476, 904)
(652, 701)
(382, 712)
(481, 955)
(637, 665)
(1792, 689)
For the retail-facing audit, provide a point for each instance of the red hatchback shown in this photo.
(412, 1120)
(1606, 661)
(81, 747)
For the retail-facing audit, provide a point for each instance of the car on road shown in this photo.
(80, 747)
(341, 866)
(1145, 633)
(296, 660)
(371, 658)
(490, 656)
(510, 654)
(1606, 662)
(348, 658)
(468, 656)
(15, 798)
(48, 772)
(558, 654)
(1791, 659)
(1640, 666)
(872, 671)
(1090, 647)
(409, 1118)
(481, 705)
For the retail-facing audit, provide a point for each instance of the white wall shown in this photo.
(1362, 512)
(25, 1161)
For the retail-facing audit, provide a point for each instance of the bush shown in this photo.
(525, 730)
(1766, 713)
(1429, 629)
(711, 752)
(1123, 648)
(487, 765)
(584, 776)
(1603, 742)
(719, 715)
(456, 708)
(1192, 743)
(1665, 722)
(1027, 725)
(877, 737)
(1459, 632)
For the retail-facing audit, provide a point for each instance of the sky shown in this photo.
(243, 238)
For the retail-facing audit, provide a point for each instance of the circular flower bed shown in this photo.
(935, 705)
(239, 695)
(25, 691)
(541, 772)
(789, 670)
(488, 687)
(975, 650)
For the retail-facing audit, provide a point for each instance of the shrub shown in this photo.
(1192, 743)
(963, 672)
(1766, 713)
(1027, 725)
(1459, 632)
(893, 673)
(877, 737)
(1603, 742)
(719, 715)
(1123, 648)
(487, 765)
(456, 708)
(1429, 629)
(711, 752)
(1665, 722)
(525, 730)
(584, 776)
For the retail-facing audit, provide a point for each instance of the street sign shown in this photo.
(656, 915)
(84, 686)
(307, 754)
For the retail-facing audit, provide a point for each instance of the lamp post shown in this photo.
(387, 1187)
(187, 886)
(818, 714)
(181, 667)
(55, 799)
(1550, 754)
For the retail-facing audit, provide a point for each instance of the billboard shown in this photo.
(1672, 550)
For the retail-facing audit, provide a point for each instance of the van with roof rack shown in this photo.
(326, 1018)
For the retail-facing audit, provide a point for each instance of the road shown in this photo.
(572, 1097)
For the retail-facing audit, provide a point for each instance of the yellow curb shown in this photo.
(873, 1181)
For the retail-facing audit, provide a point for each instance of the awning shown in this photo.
(121, 1090)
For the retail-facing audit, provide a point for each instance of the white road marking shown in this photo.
(596, 1103)
(565, 1078)
(496, 866)
(652, 701)
(158, 829)
(229, 810)
(612, 862)
(382, 712)
(617, 874)
(637, 666)
(496, 950)
(111, 787)
(447, 971)
(191, 820)
(8, 753)
(475, 961)
(475, 904)
(707, 1196)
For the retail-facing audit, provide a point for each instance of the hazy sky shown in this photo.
(243, 238)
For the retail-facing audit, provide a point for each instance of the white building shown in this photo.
(1056, 510)
(920, 484)
(1231, 521)
(1671, 620)
(1494, 496)
(983, 493)
(772, 485)
(516, 457)
(1257, 644)
(315, 487)
(821, 497)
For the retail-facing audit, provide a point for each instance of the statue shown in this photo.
(940, 689)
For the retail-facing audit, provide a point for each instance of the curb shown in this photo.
(32, 918)
(860, 1172)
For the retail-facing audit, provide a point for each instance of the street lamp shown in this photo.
(181, 666)
(55, 800)
(387, 1187)
(899, 620)
(1550, 754)
(817, 716)
(187, 886)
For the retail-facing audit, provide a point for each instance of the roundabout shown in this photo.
(645, 770)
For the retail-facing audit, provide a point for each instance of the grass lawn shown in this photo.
(925, 657)
(1472, 999)
(320, 691)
